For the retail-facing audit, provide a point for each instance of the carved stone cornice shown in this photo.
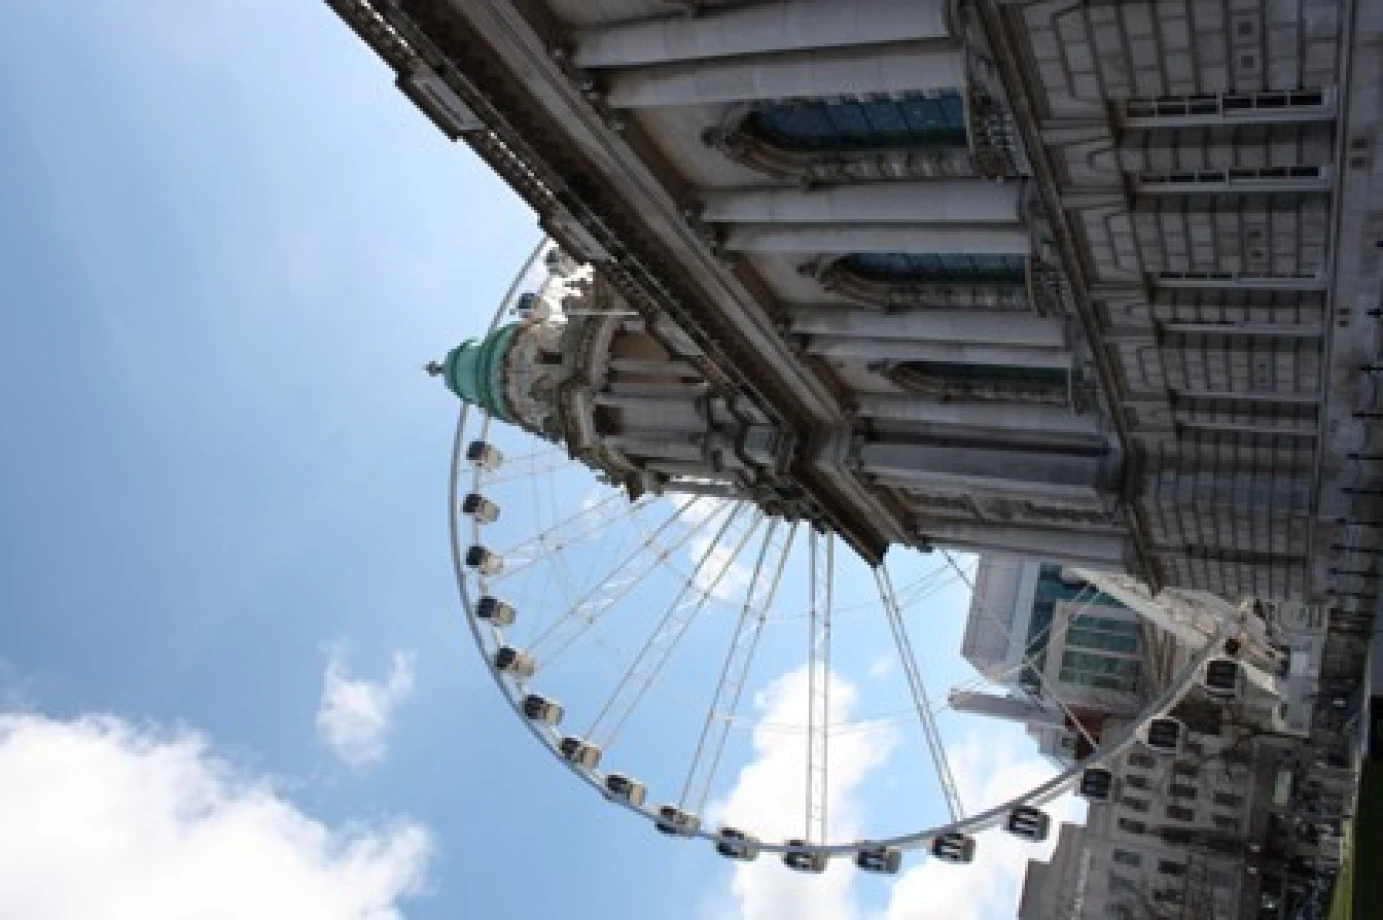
(995, 148)
(912, 379)
(835, 276)
(737, 142)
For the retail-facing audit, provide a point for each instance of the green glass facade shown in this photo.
(1090, 634)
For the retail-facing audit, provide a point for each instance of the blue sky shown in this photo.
(228, 247)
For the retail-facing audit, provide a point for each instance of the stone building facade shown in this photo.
(1096, 282)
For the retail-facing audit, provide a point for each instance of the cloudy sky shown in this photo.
(234, 680)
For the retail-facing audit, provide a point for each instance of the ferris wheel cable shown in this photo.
(561, 577)
(614, 587)
(1030, 660)
(666, 633)
(821, 566)
(568, 532)
(673, 631)
(1038, 643)
(528, 465)
(919, 695)
(851, 611)
(964, 576)
(919, 583)
(763, 586)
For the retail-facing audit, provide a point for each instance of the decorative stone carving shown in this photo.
(1045, 287)
(946, 389)
(835, 276)
(995, 147)
(737, 142)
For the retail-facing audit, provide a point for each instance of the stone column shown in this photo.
(1005, 416)
(863, 350)
(973, 201)
(944, 239)
(650, 413)
(1097, 550)
(760, 28)
(649, 449)
(912, 67)
(1034, 474)
(932, 326)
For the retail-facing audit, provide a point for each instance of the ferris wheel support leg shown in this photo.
(1191, 619)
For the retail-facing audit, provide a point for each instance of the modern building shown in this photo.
(1243, 822)
(1068, 656)
(1209, 835)
(1089, 282)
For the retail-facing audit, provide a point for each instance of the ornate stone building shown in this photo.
(1096, 282)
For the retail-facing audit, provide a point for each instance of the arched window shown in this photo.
(984, 373)
(815, 125)
(952, 380)
(928, 268)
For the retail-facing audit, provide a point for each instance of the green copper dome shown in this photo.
(474, 371)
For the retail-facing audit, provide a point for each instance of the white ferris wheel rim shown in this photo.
(488, 638)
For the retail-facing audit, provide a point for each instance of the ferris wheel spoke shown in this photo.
(919, 695)
(575, 529)
(696, 591)
(1033, 663)
(524, 466)
(821, 566)
(615, 586)
(763, 587)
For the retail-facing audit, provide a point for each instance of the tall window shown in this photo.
(933, 268)
(1127, 858)
(815, 125)
(1102, 671)
(1084, 637)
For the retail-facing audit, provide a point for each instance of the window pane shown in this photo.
(1003, 268)
(921, 373)
(915, 121)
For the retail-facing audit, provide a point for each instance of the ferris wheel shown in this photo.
(664, 647)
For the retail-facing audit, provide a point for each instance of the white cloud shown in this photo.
(883, 666)
(989, 770)
(105, 820)
(354, 715)
(723, 576)
(768, 799)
